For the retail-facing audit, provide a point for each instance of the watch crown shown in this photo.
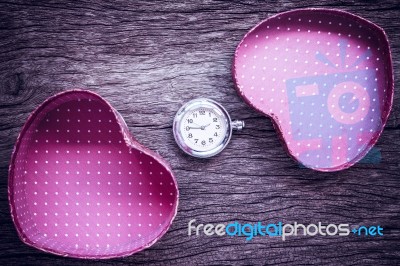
(237, 125)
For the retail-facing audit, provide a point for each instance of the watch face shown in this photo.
(203, 128)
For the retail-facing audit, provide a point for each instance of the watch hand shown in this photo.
(194, 127)
(204, 127)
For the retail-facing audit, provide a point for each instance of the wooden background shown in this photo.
(147, 59)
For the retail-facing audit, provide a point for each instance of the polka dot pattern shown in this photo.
(81, 186)
(325, 77)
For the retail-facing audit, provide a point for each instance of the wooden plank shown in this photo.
(147, 59)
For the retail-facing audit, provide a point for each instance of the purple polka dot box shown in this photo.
(325, 78)
(81, 186)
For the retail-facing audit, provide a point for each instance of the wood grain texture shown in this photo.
(147, 59)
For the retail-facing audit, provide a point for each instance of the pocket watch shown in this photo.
(202, 127)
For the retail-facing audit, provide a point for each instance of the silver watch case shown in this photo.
(195, 104)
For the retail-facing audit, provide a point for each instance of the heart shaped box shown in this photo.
(81, 186)
(325, 78)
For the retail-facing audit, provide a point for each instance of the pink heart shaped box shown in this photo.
(325, 78)
(81, 186)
